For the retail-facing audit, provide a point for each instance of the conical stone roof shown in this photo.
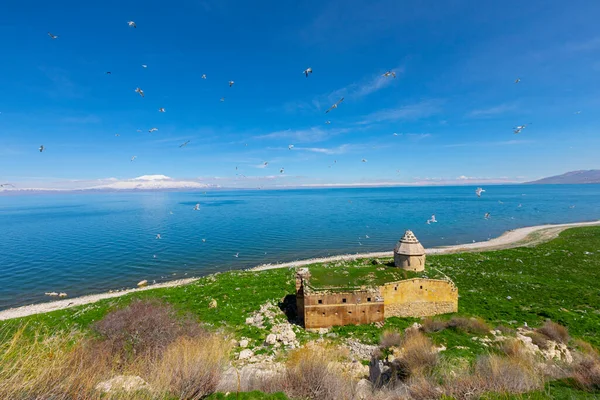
(409, 245)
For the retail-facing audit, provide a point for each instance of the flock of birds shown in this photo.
(308, 71)
(478, 192)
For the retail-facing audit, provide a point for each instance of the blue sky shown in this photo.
(453, 104)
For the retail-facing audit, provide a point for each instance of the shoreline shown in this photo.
(514, 238)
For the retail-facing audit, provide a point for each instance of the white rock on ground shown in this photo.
(284, 333)
(243, 343)
(245, 354)
(271, 339)
(248, 376)
(125, 383)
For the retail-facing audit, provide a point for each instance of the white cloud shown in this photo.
(151, 182)
(314, 134)
(492, 111)
(323, 150)
(586, 45)
(407, 112)
(491, 144)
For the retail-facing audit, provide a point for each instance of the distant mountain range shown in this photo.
(573, 177)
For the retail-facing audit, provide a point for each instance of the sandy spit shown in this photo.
(519, 237)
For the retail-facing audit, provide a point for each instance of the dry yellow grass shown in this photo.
(555, 332)
(190, 368)
(311, 375)
(69, 366)
(418, 353)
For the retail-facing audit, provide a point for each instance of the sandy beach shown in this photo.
(515, 238)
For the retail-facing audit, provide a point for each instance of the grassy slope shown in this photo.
(556, 280)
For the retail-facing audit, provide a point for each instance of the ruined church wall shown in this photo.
(419, 298)
(322, 310)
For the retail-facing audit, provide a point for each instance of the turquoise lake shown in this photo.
(84, 243)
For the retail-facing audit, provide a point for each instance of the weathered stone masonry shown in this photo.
(417, 297)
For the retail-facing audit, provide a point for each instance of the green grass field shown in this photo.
(558, 280)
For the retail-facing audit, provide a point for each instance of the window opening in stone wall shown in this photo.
(343, 300)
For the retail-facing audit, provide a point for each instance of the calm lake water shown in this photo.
(94, 242)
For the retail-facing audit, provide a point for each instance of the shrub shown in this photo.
(555, 332)
(389, 339)
(505, 330)
(585, 347)
(190, 368)
(539, 340)
(430, 325)
(144, 326)
(514, 348)
(418, 353)
(469, 325)
(423, 389)
(493, 373)
(61, 367)
(309, 375)
(586, 373)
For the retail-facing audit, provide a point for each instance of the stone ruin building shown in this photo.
(323, 307)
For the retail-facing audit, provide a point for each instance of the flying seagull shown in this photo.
(158, 236)
(328, 122)
(161, 109)
(52, 36)
(197, 207)
(139, 91)
(389, 73)
(144, 66)
(307, 71)
(222, 98)
(6, 184)
(432, 220)
(364, 160)
(131, 23)
(108, 73)
(281, 170)
(184, 144)
(291, 146)
(152, 130)
(266, 163)
(42, 148)
(487, 215)
(395, 134)
(478, 191)
(203, 76)
(236, 255)
(517, 80)
(231, 83)
(117, 135)
(335, 105)
(519, 128)
(577, 112)
(133, 158)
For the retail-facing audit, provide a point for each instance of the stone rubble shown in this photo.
(360, 351)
